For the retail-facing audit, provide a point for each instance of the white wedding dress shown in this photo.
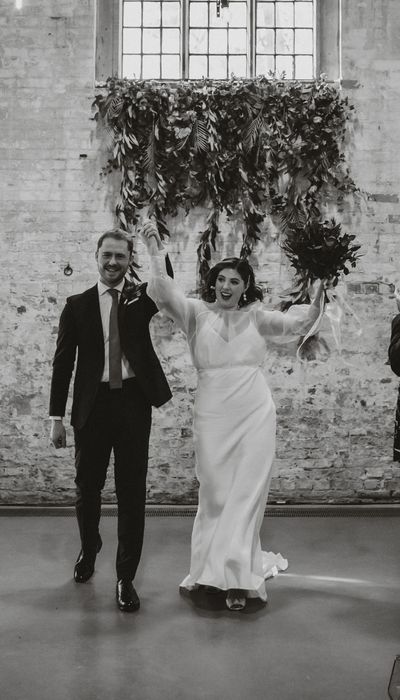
(233, 431)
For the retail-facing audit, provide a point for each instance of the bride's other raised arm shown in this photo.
(164, 291)
(297, 320)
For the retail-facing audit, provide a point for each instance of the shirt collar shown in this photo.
(103, 287)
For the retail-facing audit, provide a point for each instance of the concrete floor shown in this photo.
(330, 631)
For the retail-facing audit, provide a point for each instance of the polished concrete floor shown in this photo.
(330, 631)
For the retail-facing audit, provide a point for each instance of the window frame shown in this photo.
(327, 40)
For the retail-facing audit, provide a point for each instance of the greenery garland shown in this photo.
(251, 148)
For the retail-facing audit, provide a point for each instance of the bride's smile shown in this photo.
(229, 287)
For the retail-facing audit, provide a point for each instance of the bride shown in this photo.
(234, 418)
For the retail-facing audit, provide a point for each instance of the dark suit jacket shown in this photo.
(81, 330)
(394, 347)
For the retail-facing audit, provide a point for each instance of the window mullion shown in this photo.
(185, 38)
(251, 41)
(141, 41)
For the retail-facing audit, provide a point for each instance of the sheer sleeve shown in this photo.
(168, 296)
(297, 320)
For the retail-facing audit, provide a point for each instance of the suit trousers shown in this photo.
(120, 422)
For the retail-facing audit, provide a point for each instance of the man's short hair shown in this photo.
(119, 235)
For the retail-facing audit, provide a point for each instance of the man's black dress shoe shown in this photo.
(84, 567)
(127, 598)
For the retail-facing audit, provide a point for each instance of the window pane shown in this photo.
(131, 67)
(132, 40)
(151, 67)
(217, 67)
(221, 21)
(170, 67)
(265, 41)
(284, 64)
(170, 41)
(197, 67)
(303, 40)
(265, 64)
(132, 14)
(198, 14)
(151, 40)
(197, 41)
(265, 14)
(284, 40)
(151, 14)
(303, 14)
(237, 16)
(170, 14)
(304, 67)
(284, 14)
(218, 41)
(237, 66)
(213, 10)
(237, 41)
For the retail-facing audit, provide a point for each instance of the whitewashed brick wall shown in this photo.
(335, 419)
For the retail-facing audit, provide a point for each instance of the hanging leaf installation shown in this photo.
(251, 148)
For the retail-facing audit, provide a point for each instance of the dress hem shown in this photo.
(280, 564)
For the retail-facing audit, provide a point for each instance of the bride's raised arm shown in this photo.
(297, 320)
(164, 291)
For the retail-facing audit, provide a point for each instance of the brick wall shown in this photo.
(335, 419)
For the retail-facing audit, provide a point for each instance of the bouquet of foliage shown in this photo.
(317, 251)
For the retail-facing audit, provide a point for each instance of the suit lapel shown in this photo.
(93, 319)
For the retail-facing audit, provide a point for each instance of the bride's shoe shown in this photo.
(235, 599)
(212, 590)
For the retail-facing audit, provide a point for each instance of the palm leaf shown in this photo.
(200, 136)
(252, 131)
(114, 108)
(110, 134)
(150, 153)
(292, 217)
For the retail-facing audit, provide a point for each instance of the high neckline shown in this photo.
(212, 306)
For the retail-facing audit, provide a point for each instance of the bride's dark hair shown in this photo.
(245, 270)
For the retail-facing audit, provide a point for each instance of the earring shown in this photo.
(212, 286)
(244, 296)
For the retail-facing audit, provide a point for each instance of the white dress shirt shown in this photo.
(105, 301)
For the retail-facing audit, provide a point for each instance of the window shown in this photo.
(217, 45)
(151, 39)
(285, 38)
(191, 39)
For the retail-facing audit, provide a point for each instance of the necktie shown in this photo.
(114, 347)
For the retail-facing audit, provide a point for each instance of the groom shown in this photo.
(118, 379)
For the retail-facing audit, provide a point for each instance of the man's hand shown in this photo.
(58, 436)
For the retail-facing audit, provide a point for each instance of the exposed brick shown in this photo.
(349, 84)
(384, 198)
(371, 484)
(336, 448)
